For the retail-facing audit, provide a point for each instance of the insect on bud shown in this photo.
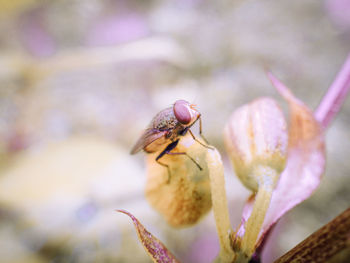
(256, 139)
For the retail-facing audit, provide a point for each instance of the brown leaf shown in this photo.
(155, 248)
(331, 242)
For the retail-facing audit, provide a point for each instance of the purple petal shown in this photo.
(156, 250)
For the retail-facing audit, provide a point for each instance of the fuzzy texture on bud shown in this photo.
(185, 197)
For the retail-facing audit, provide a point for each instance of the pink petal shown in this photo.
(306, 159)
(247, 210)
(335, 96)
(156, 250)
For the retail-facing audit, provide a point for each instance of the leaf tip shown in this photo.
(126, 213)
(279, 86)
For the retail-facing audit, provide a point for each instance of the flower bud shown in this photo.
(256, 139)
(185, 197)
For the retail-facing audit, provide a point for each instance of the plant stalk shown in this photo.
(262, 201)
(335, 96)
(220, 208)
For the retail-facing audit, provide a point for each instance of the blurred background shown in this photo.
(80, 80)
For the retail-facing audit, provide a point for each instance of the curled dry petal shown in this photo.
(256, 137)
(156, 250)
(185, 197)
(306, 159)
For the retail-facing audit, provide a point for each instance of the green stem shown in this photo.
(253, 225)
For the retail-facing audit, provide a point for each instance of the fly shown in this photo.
(166, 128)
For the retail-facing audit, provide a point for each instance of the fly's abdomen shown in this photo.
(157, 145)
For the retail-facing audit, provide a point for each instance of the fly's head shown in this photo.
(185, 112)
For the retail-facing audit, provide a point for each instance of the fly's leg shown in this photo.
(184, 153)
(170, 147)
(200, 132)
(194, 138)
(168, 150)
(167, 167)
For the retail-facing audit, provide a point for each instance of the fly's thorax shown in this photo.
(164, 120)
(177, 131)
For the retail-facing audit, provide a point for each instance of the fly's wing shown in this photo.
(150, 135)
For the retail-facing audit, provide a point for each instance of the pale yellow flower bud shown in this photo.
(256, 139)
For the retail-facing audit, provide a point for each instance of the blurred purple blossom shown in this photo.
(34, 34)
(339, 12)
(204, 249)
(118, 29)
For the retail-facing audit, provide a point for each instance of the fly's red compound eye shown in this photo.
(182, 111)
